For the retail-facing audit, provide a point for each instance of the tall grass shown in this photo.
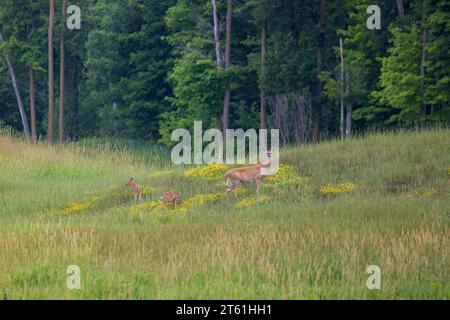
(299, 244)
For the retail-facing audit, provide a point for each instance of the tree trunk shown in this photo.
(400, 8)
(219, 124)
(23, 115)
(423, 108)
(302, 109)
(33, 105)
(76, 112)
(226, 102)
(216, 35)
(61, 77)
(278, 114)
(51, 79)
(318, 107)
(348, 127)
(341, 50)
(263, 105)
(219, 62)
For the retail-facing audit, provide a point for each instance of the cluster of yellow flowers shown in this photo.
(155, 205)
(332, 189)
(250, 201)
(448, 171)
(242, 191)
(286, 175)
(146, 190)
(212, 172)
(75, 207)
(198, 200)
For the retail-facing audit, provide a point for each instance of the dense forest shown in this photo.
(141, 68)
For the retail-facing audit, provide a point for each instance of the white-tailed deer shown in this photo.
(247, 174)
(171, 197)
(132, 184)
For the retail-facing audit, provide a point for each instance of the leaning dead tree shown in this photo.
(302, 117)
(23, 115)
(292, 116)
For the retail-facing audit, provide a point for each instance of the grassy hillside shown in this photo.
(334, 209)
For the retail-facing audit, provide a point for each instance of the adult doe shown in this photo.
(247, 174)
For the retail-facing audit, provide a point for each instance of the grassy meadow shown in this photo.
(334, 209)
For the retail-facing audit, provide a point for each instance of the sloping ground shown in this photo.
(334, 209)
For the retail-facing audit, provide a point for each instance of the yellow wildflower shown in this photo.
(242, 191)
(212, 172)
(198, 200)
(75, 207)
(146, 206)
(332, 189)
(286, 175)
(250, 201)
(146, 190)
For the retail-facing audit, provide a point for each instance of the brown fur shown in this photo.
(132, 184)
(171, 197)
(246, 174)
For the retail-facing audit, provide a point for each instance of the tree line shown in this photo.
(142, 68)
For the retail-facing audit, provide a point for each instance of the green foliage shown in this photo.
(127, 64)
(438, 65)
(141, 68)
(400, 79)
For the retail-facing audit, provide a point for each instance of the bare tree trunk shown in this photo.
(423, 108)
(216, 35)
(23, 115)
(61, 77)
(400, 8)
(51, 77)
(298, 128)
(263, 105)
(278, 112)
(341, 49)
(302, 111)
(226, 102)
(348, 127)
(318, 107)
(219, 124)
(33, 105)
(219, 62)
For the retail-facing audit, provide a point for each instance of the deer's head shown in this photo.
(131, 182)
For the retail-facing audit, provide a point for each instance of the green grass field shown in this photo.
(334, 209)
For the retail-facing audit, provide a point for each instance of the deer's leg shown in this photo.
(258, 184)
(235, 189)
(230, 186)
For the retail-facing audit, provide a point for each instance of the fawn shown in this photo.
(132, 184)
(171, 197)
